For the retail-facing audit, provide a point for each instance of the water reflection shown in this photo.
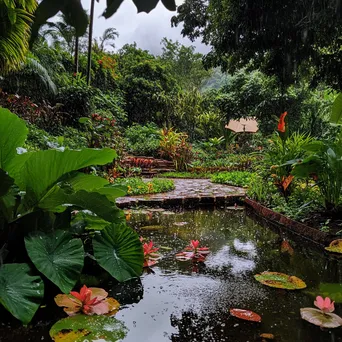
(190, 302)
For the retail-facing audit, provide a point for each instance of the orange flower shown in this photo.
(281, 124)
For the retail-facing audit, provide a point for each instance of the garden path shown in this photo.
(188, 193)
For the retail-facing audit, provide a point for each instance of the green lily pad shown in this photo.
(318, 317)
(280, 280)
(152, 227)
(82, 328)
(335, 246)
(331, 290)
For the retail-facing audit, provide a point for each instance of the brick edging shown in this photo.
(296, 227)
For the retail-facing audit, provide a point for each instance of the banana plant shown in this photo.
(38, 192)
(324, 162)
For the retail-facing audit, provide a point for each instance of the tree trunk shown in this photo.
(90, 39)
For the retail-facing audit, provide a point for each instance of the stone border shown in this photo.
(186, 202)
(304, 231)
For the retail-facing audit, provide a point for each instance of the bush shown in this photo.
(136, 186)
(235, 178)
(77, 102)
(110, 104)
(143, 140)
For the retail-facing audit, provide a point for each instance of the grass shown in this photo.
(136, 186)
(185, 175)
(235, 178)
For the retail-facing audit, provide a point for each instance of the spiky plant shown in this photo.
(15, 19)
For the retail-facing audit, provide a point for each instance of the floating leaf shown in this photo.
(81, 328)
(331, 290)
(317, 317)
(267, 336)
(280, 280)
(152, 227)
(246, 315)
(335, 246)
(286, 248)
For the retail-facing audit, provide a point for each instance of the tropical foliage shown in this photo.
(39, 190)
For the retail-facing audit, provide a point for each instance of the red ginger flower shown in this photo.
(281, 124)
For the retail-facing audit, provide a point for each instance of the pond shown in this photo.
(182, 301)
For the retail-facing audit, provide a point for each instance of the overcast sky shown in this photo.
(145, 29)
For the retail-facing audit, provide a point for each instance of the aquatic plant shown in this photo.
(193, 252)
(90, 301)
(323, 316)
(150, 255)
(280, 280)
(246, 315)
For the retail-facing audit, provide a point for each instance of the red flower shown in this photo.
(281, 124)
(150, 255)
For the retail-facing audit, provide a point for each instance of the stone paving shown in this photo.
(188, 193)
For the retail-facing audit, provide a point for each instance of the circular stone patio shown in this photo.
(188, 193)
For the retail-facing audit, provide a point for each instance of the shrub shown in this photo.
(174, 146)
(236, 178)
(77, 102)
(143, 140)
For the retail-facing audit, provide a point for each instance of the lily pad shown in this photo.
(323, 320)
(280, 280)
(335, 246)
(246, 315)
(331, 290)
(152, 227)
(81, 328)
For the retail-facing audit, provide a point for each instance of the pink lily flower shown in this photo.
(193, 252)
(326, 305)
(90, 301)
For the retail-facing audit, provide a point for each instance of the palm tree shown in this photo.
(15, 22)
(109, 35)
(30, 79)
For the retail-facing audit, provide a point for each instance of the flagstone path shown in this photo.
(188, 193)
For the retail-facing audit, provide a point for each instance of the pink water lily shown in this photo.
(90, 301)
(150, 255)
(324, 304)
(193, 252)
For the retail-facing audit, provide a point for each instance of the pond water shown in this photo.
(182, 301)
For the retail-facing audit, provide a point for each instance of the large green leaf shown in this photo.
(13, 132)
(336, 114)
(142, 6)
(119, 251)
(20, 292)
(42, 169)
(87, 221)
(94, 201)
(76, 16)
(5, 182)
(58, 256)
(81, 328)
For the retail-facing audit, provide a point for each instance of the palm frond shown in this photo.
(15, 20)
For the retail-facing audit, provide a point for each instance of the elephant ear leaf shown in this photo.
(13, 133)
(20, 292)
(58, 256)
(118, 250)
